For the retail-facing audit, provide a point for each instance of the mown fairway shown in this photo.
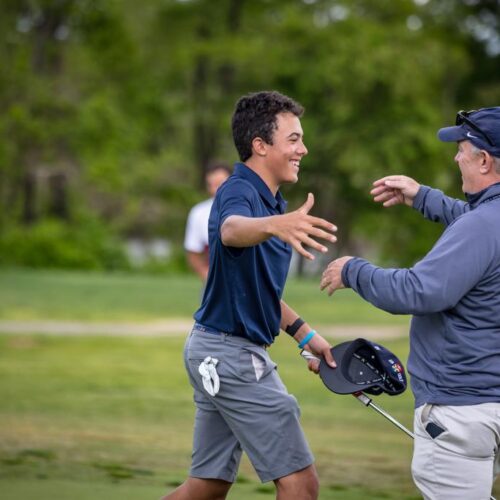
(27, 295)
(86, 418)
(97, 417)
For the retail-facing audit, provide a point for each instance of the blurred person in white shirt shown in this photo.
(196, 237)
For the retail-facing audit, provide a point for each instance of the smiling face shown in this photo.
(283, 156)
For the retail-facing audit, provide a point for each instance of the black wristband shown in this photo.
(292, 329)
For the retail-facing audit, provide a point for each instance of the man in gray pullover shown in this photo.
(453, 294)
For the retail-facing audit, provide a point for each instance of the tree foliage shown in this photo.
(112, 109)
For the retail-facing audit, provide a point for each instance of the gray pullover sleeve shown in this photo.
(434, 205)
(436, 283)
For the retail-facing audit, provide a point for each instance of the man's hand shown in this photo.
(395, 190)
(298, 227)
(332, 275)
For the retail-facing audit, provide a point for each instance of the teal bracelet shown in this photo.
(306, 339)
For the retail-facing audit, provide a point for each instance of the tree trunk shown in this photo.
(29, 186)
(58, 205)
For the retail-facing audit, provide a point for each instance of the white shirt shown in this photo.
(196, 238)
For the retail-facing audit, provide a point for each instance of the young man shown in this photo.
(241, 403)
(196, 237)
(454, 295)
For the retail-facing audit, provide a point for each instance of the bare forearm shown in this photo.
(239, 231)
(198, 263)
(315, 343)
(288, 317)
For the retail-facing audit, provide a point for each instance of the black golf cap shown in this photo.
(363, 366)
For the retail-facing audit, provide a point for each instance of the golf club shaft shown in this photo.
(391, 419)
(363, 398)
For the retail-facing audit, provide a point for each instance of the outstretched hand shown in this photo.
(332, 275)
(298, 228)
(395, 190)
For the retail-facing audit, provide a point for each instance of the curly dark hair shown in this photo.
(255, 116)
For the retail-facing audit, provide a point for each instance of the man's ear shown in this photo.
(486, 162)
(259, 146)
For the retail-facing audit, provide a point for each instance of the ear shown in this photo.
(486, 162)
(259, 146)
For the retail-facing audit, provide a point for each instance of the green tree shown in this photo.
(112, 109)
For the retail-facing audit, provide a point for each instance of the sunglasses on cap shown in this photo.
(463, 117)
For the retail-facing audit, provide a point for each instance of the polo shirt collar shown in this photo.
(241, 170)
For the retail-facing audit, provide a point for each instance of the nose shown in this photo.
(302, 149)
(456, 157)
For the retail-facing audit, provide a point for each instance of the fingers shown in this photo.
(319, 345)
(389, 198)
(328, 283)
(305, 239)
(330, 287)
(395, 200)
(327, 354)
(304, 233)
(325, 351)
(319, 233)
(390, 183)
(389, 178)
(304, 209)
(325, 281)
(319, 222)
(390, 190)
(331, 279)
(329, 275)
(297, 245)
(384, 195)
(313, 365)
(301, 250)
(308, 241)
(378, 190)
(301, 229)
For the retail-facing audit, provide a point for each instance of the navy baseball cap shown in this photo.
(481, 127)
(363, 365)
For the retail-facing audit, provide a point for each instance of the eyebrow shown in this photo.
(296, 134)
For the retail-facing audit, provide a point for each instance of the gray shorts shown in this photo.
(252, 412)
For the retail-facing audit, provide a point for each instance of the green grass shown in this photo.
(84, 296)
(108, 418)
(86, 418)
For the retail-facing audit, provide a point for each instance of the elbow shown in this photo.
(227, 234)
(431, 304)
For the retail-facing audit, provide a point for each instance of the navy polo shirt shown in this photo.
(245, 285)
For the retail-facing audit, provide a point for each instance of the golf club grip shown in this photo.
(362, 397)
(308, 356)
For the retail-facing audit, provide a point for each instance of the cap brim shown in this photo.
(334, 378)
(452, 134)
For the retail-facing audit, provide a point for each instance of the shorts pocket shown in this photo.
(465, 433)
(255, 365)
